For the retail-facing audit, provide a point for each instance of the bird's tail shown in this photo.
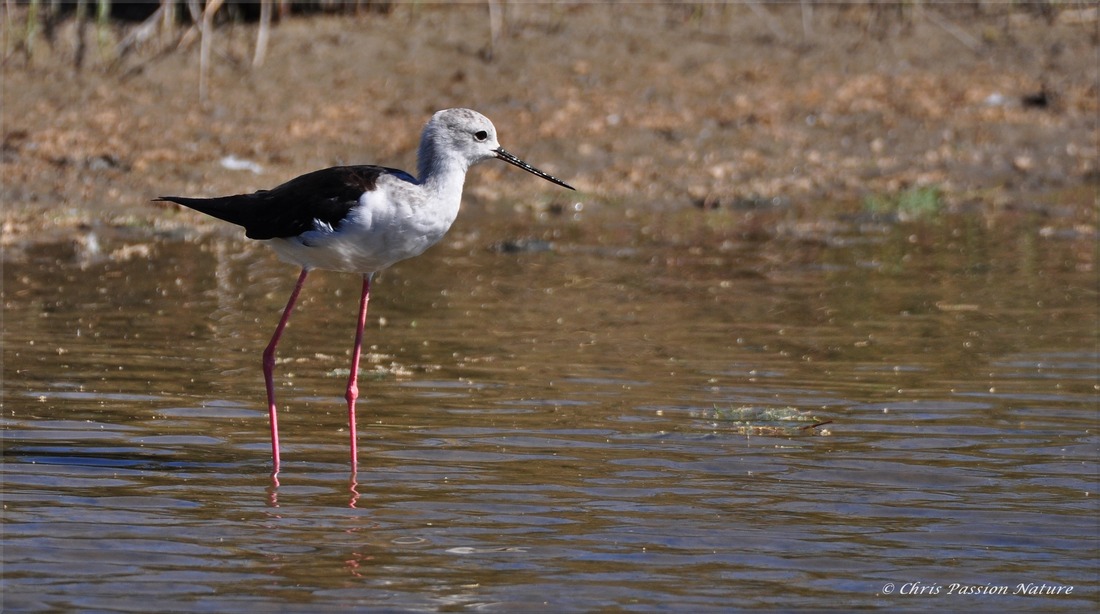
(225, 208)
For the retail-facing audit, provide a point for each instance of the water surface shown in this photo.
(544, 430)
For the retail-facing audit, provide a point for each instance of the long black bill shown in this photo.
(510, 159)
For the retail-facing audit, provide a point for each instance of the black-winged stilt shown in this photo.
(362, 219)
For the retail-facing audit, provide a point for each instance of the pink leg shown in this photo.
(353, 378)
(269, 369)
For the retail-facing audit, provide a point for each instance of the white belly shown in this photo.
(377, 234)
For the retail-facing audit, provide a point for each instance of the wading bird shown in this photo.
(361, 219)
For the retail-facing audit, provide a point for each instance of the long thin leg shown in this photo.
(269, 369)
(353, 378)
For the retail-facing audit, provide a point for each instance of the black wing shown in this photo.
(294, 207)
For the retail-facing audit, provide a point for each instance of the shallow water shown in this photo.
(548, 430)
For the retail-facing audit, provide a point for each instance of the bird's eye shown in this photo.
(481, 135)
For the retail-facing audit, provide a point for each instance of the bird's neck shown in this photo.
(441, 177)
(440, 173)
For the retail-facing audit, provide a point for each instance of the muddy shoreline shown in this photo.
(845, 111)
